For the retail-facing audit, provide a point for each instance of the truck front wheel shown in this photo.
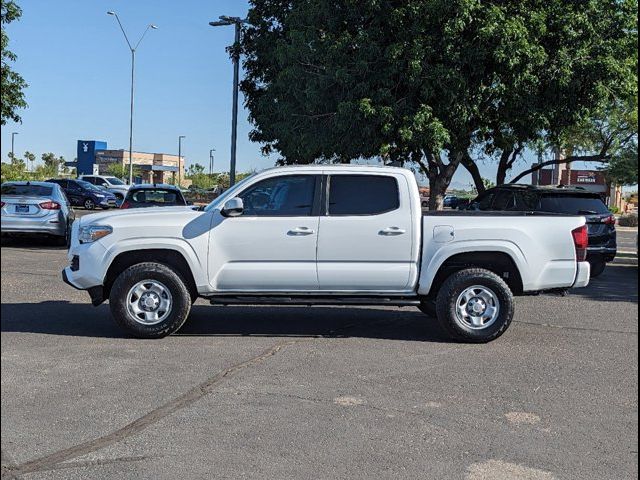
(149, 300)
(475, 305)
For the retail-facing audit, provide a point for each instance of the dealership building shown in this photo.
(94, 158)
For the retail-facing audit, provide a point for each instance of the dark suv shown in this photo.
(84, 194)
(562, 200)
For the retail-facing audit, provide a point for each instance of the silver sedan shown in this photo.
(36, 207)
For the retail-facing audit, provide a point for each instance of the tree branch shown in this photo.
(576, 158)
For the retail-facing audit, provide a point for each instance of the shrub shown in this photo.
(628, 221)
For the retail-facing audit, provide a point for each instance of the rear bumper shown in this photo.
(583, 275)
(602, 253)
(49, 225)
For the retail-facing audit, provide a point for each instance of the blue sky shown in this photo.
(77, 64)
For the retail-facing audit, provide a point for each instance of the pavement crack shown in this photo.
(48, 462)
(585, 329)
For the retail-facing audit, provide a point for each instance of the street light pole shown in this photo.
(133, 62)
(13, 136)
(237, 22)
(180, 157)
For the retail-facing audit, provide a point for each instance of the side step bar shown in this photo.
(311, 300)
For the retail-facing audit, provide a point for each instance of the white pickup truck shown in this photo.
(340, 235)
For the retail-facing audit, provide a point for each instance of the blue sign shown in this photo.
(87, 155)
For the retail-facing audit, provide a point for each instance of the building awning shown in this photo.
(157, 168)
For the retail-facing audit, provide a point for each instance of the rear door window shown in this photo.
(363, 194)
(503, 200)
(91, 180)
(573, 204)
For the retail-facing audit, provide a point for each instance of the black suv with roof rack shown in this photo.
(563, 200)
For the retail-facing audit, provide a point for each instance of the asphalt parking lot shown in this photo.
(296, 392)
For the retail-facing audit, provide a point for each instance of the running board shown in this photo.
(310, 300)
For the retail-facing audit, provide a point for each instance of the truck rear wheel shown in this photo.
(149, 300)
(475, 305)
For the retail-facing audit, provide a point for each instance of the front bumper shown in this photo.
(583, 275)
(96, 293)
(108, 203)
(54, 224)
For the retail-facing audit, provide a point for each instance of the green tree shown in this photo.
(428, 81)
(29, 158)
(13, 170)
(13, 84)
(121, 171)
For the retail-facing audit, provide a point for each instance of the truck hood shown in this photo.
(142, 217)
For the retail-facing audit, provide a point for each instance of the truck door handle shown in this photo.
(300, 231)
(390, 231)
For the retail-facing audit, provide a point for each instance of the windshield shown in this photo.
(89, 186)
(26, 190)
(228, 194)
(114, 181)
(573, 204)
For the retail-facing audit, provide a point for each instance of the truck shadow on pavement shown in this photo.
(72, 319)
(618, 283)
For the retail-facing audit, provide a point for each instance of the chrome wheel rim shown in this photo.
(149, 302)
(477, 307)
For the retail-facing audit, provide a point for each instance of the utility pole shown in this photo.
(13, 136)
(211, 161)
(180, 159)
(237, 22)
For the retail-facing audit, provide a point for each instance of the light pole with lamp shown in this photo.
(180, 158)
(13, 136)
(237, 22)
(133, 61)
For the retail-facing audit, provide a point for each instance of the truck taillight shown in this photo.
(581, 242)
(125, 205)
(50, 205)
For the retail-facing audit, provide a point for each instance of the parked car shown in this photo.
(450, 201)
(317, 235)
(116, 186)
(560, 200)
(84, 194)
(36, 207)
(140, 196)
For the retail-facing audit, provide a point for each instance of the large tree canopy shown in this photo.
(428, 80)
(12, 83)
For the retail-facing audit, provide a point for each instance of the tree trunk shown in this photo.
(473, 169)
(437, 189)
(503, 166)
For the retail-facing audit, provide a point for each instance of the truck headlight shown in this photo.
(91, 233)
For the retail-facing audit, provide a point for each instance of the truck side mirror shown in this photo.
(233, 207)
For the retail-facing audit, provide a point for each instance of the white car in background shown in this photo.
(111, 183)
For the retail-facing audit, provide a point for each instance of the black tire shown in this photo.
(88, 204)
(597, 267)
(447, 300)
(425, 204)
(178, 313)
(428, 307)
